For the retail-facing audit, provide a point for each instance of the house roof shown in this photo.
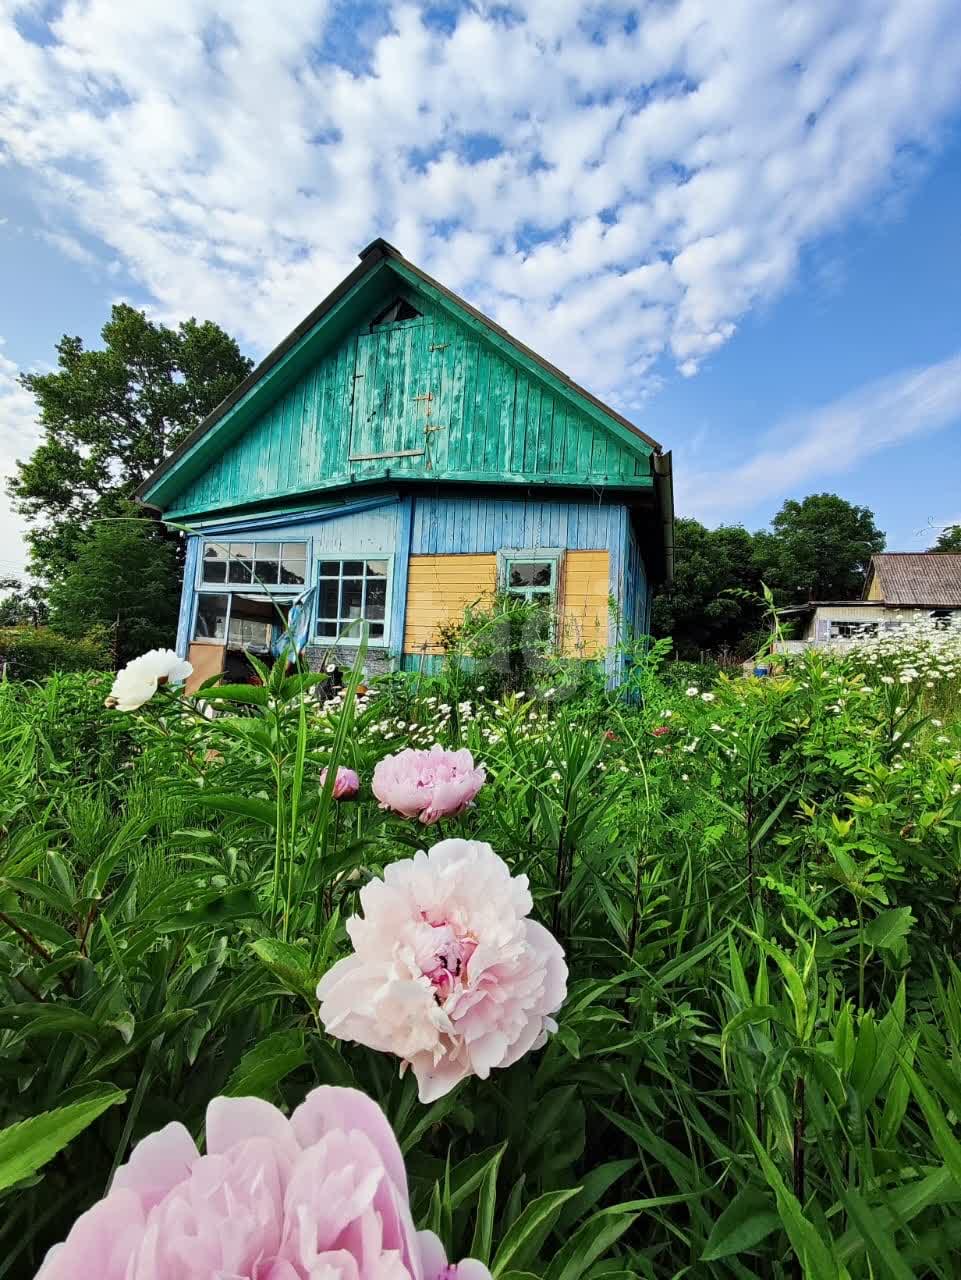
(929, 579)
(377, 252)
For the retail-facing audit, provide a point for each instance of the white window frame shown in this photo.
(553, 555)
(354, 636)
(251, 588)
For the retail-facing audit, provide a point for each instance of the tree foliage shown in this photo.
(109, 417)
(820, 548)
(816, 548)
(949, 539)
(125, 579)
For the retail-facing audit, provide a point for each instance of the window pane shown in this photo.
(377, 568)
(265, 563)
(327, 605)
(376, 631)
(353, 568)
(296, 550)
(240, 567)
(327, 628)
(293, 571)
(351, 596)
(252, 620)
(330, 568)
(376, 598)
(522, 573)
(215, 564)
(543, 573)
(211, 617)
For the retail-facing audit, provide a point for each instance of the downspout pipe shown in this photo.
(664, 493)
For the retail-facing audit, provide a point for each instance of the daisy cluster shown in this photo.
(924, 653)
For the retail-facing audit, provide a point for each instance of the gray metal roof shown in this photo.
(922, 578)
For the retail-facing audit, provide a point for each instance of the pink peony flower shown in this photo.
(346, 784)
(448, 972)
(428, 785)
(323, 1194)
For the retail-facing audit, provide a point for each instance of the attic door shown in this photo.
(393, 396)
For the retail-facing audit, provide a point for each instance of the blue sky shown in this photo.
(736, 222)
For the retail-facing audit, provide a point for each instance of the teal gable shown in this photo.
(397, 442)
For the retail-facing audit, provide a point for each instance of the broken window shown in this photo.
(399, 309)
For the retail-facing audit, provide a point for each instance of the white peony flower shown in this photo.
(142, 677)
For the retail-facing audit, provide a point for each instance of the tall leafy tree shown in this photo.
(709, 606)
(949, 539)
(819, 548)
(123, 581)
(109, 416)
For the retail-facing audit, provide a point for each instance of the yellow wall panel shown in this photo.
(584, 611)
(439, 588)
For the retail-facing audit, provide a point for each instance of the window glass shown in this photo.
(293, 570)
(265, 563)
(261, 564)
(240, 566)
(215, 563)
(532, 579)
(351, 591)
(211, 621)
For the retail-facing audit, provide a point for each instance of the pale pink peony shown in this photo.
(346, 783)
(321, 1195)
(448, 972)
(428, 785)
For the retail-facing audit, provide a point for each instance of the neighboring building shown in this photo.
(901, 586)
(405, 456)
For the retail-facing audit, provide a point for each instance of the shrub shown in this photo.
(31, 653)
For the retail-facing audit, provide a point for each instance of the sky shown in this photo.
(737, 222)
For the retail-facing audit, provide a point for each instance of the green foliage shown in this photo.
(35, 652)
(756, 1069)
(816, 548)
(820, 548)
(124, 581)
(949, 539)
(109, 416)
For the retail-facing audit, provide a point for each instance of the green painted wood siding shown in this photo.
(362, 412)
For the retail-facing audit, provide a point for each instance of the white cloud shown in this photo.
(611, 190)
(830, 438)
(18, 436)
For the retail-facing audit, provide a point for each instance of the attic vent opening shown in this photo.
(399, 309)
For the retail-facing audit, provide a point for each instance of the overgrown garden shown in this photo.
(752, 1069)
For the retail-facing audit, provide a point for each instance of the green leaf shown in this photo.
(27, 1146)
(746, 1221)
(945, 1141)
(261, 1069)
(250, 695)
(884, 1251)
(528, 1232)
(288, 963)
(591, 1240)
(889, 927)
(486, 1202)
(242, 806)
(812, 1252)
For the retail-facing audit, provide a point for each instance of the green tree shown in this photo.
(109, 417)
(124, 578)
(21, 605)
(818, 548)
(708, 607)
(949, 539)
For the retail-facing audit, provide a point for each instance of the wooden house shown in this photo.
(900, 587)
(405, 456)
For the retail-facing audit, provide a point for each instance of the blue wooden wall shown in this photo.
(401, 525)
